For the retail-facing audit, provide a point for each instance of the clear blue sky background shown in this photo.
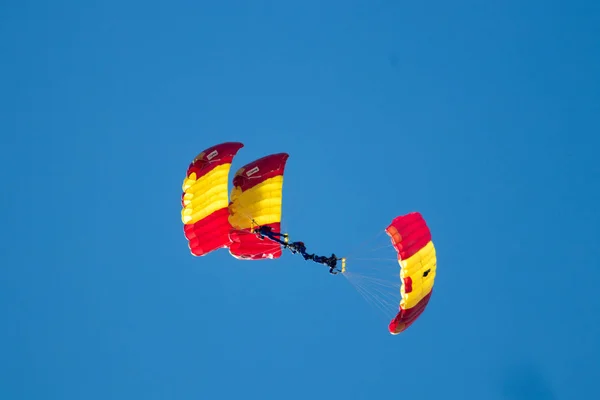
(481, 115)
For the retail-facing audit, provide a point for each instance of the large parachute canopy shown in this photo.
(205, 201)
(256, 200)
(416, 255)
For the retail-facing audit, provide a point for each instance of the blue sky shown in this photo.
(483, 117)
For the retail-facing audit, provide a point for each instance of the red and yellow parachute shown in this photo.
(212, 220)
(215, 218)
(416, 255)
(205, 200)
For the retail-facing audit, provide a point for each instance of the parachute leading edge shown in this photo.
(417, 258)
(256, 199)
(205, 199)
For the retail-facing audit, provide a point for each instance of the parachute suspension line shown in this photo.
(383, 268)
(359, 280)
(364, 295)
(370, 239)
(385, 294)
(383, 301)
(376, 278)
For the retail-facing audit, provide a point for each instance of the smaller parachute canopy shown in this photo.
(205, 199)
(256, 199)
(417, 258)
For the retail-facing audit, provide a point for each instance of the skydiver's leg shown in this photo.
(278, 234)
(272, 236)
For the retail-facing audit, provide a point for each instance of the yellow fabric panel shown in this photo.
(205, 195)
(414, 267)
(261, 203)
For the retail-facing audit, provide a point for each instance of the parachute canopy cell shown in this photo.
(256, 199)
(205, 200)
(417, 258)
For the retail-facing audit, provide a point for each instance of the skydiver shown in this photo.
(266, 230)
(299, 247)
(331, 262)
(263, 231)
